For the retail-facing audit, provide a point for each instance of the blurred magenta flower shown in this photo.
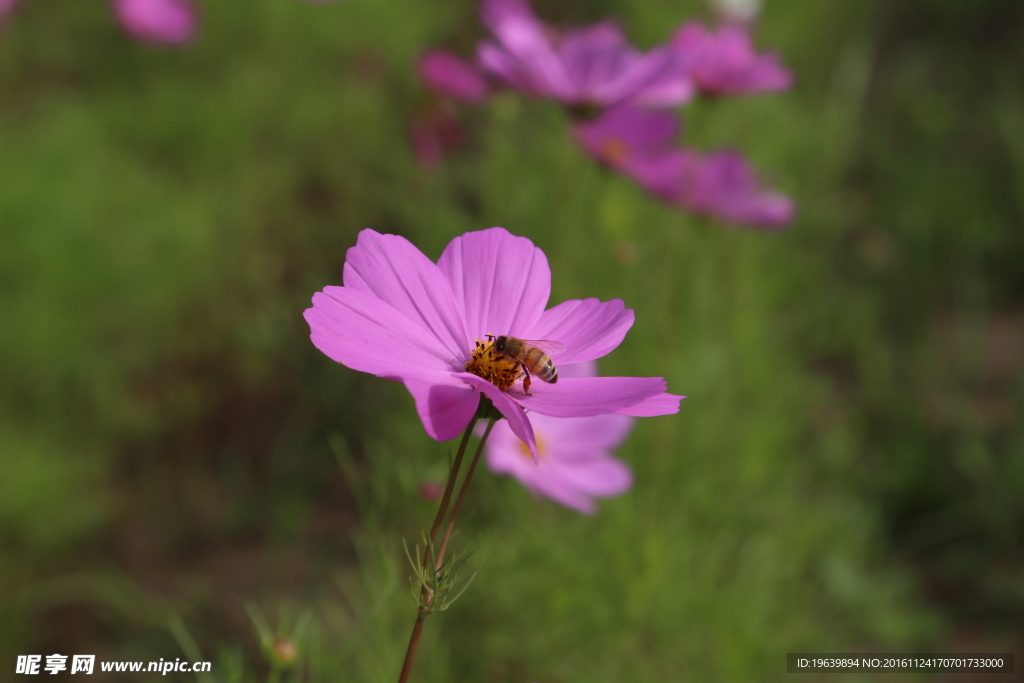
(431, 490)
(7, 6)
(624, 135)
(575, 461)
(640, 144)
(435, 131)
(591, 66)
(166, 22)
(447, 75)
(403, 317)
(724, 62)
(721, 185)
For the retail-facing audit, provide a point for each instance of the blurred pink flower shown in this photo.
(434, 131)
(640, 144)
(431, 490)
(575, 461)
(724, 62)
(721, 185)
(624, 135)
(588, 66)
(166, 22)
(401, 316)
(446, 74)
(7, 6)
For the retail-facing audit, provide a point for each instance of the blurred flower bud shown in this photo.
(435, 131)
(431, 490)
(283, 652)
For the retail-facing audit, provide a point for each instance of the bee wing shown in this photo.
(548, 347)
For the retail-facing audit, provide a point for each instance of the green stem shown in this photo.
(462, 493)
(485, 411)
(450, 486)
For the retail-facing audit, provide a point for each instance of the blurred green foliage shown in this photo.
(848, 473)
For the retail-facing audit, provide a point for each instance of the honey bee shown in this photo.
(532, 356)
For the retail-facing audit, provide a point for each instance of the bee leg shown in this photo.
(526, 380)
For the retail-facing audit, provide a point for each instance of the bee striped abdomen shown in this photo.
(546, 371)
(534, 361)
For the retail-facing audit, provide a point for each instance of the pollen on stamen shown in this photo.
(524, 450)
(614, 151)
(501, 371)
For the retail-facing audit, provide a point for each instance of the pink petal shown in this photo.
(587, 396)
(662, 404)
(605, 69)
(511, 410)
(602, 476)
(451, 76)
(577, 437)
(725, 62)
(589, 328)
(506, 453)
(623, 135)
(523, 36)
(170, 22)
(501, 282)
(444, 409)
(594, 54)
(549, 487)
(587, 368)
(655, 70)
(569, 472)
(764, 209)
(670, 89)
(392, 269)
(506, 68)
(504, 17)
(662, 175)
(364, 333)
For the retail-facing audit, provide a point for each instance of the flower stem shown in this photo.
(442, 509)
(450, 486)
(462, 492)
(414, 640)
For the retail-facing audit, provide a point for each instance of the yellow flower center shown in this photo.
(501, 371)
(614, 151)
(524, 450)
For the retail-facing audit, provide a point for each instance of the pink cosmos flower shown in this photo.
(576, 465)
(401, 316)
(624, 135)
(589, 66)
(721, 184)
(166, 22)
(724, 62)
(448, 75)
(640, 144)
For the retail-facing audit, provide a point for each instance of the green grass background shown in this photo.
(847, 474)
